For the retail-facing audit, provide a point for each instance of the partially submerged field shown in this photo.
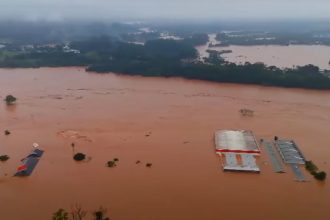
(167, 122)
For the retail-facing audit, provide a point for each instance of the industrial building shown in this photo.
(290, 152)
(241, 141)
(239, 162)
(237, 150)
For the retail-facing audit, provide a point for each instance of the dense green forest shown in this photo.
(166, 58)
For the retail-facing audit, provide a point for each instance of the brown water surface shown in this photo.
(272, 55)
(166, 122)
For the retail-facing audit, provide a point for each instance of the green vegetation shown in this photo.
(167, 58)
(197, 39)
(61, 214)
(5, 53)
(78, 213)
(4, 158)
(320, 175)
(214, 57)
(10, 99)
(100, 214)
(227, 72)
(79, 157)
(312, 168)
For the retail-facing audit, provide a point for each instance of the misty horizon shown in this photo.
(125, 10)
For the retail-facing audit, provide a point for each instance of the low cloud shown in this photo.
(55, 10)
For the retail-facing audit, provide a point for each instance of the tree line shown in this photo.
(166, 58)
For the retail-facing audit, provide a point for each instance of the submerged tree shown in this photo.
(111, 163)
(100, 214)
(61, 214)
(246, 112)
(77, 213)
(10, 99)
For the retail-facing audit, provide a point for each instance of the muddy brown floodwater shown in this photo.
(167, 122)
(272, 55)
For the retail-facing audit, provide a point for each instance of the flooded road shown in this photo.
(167, 122)
(274, 55)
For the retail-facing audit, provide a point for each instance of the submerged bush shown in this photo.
(79, 157)
(310, 166)
(100, 214)
(4, 157)
(111, 163)
(313, 170)
(10, 99)
(78, 213)
(320, 175)
(148, 164)
(61, 214)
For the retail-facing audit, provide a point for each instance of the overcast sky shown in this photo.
(56, 10)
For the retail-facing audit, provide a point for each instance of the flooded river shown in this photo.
(167, 122)
(274, 55)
